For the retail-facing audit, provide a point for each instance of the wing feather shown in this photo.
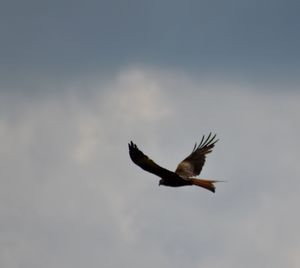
(143, 161)
(192, 165)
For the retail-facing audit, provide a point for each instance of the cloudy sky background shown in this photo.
(79, 80)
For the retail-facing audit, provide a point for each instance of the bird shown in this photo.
(186, 170)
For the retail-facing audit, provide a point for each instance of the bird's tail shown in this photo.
(207, 184)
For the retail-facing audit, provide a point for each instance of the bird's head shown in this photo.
(161, 182)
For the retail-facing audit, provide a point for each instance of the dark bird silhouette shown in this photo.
(186, 170)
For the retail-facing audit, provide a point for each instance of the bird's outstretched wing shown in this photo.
(192, 165)
(143, 161)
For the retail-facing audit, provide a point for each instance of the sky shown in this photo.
(81, 79)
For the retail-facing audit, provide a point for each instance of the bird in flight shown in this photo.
(186, 170)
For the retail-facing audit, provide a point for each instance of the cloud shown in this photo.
(70, 195)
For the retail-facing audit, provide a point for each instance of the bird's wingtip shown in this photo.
(130, 144)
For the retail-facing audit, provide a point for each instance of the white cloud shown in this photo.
(71, 194)
(136, 95)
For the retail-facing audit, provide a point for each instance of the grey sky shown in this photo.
(70, 196)
(61, 39)
(79, 80)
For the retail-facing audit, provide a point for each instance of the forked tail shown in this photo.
(207, 184)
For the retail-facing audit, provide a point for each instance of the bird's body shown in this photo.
(186, 170)
(175, 181)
